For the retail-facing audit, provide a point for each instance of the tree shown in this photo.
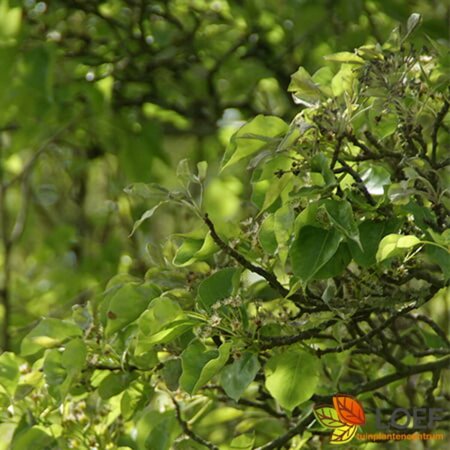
(334, 279)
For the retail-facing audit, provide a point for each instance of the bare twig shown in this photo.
(269, 277)
(188, 432)
(434, 135)
(359, 181)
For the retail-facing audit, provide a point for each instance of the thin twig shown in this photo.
(283, 439)
(269, 277)
(407, 372)
(359, 181)
(365, 337)
(434, 135)
(188, 432)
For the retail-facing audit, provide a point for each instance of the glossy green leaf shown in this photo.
(371, 232)
(341, 215)
(47, 334)
(312, 249)
(148, 191)
(336, 265)
(160, 312)
(242, 442)
(193, 250)
(292, 377)
(115, 383)
(216, 287)
(441, 257)
(375, 178)
(283, 224)
(236, 377)
(266, 235)
(394, 245)
(253, 137)
(344, 57)
(200, 365)
(145, 216)
(74, 355)
(34, 437)
(163, 432)
(54, 371)
(9, 372)
(127, 304)
(305, 90)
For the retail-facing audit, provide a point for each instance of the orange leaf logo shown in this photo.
(349, 410)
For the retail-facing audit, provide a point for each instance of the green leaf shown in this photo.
(253, 137)
(163, 432)
(147, 215)
(275, 189)
(344, 57)
(371, 233)
(266, 235)
(193, 250)
(413, 22)
(441, 258)
(184, 172)
(200, 365)
(160, 312)
(283, 224)
(344, 80)
(292, 377)
(9, 372)
(242, 442)
(321, 164)
(47, 334)
(394, 245)
(127, 304)
(171, 373)
(135, 398)
(341, 215)
(115, 383)
(54, 371)
(236, 377)
(336, 265)
(163, 321)
(375, 178)
(312, 249)
(306, 91)
(167, 334)
(148, 191)
(10, 20)
(74, 355)
(216, 287)
(32, 438)
(202, 168)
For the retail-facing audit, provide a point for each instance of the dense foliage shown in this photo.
(313, 261)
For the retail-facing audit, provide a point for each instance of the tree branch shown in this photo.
(188, 432)
(360, 183)
(434, 135)
(283, 439)
(269, 277)
(408, 371)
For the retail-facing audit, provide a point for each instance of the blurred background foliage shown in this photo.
(96, 95)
